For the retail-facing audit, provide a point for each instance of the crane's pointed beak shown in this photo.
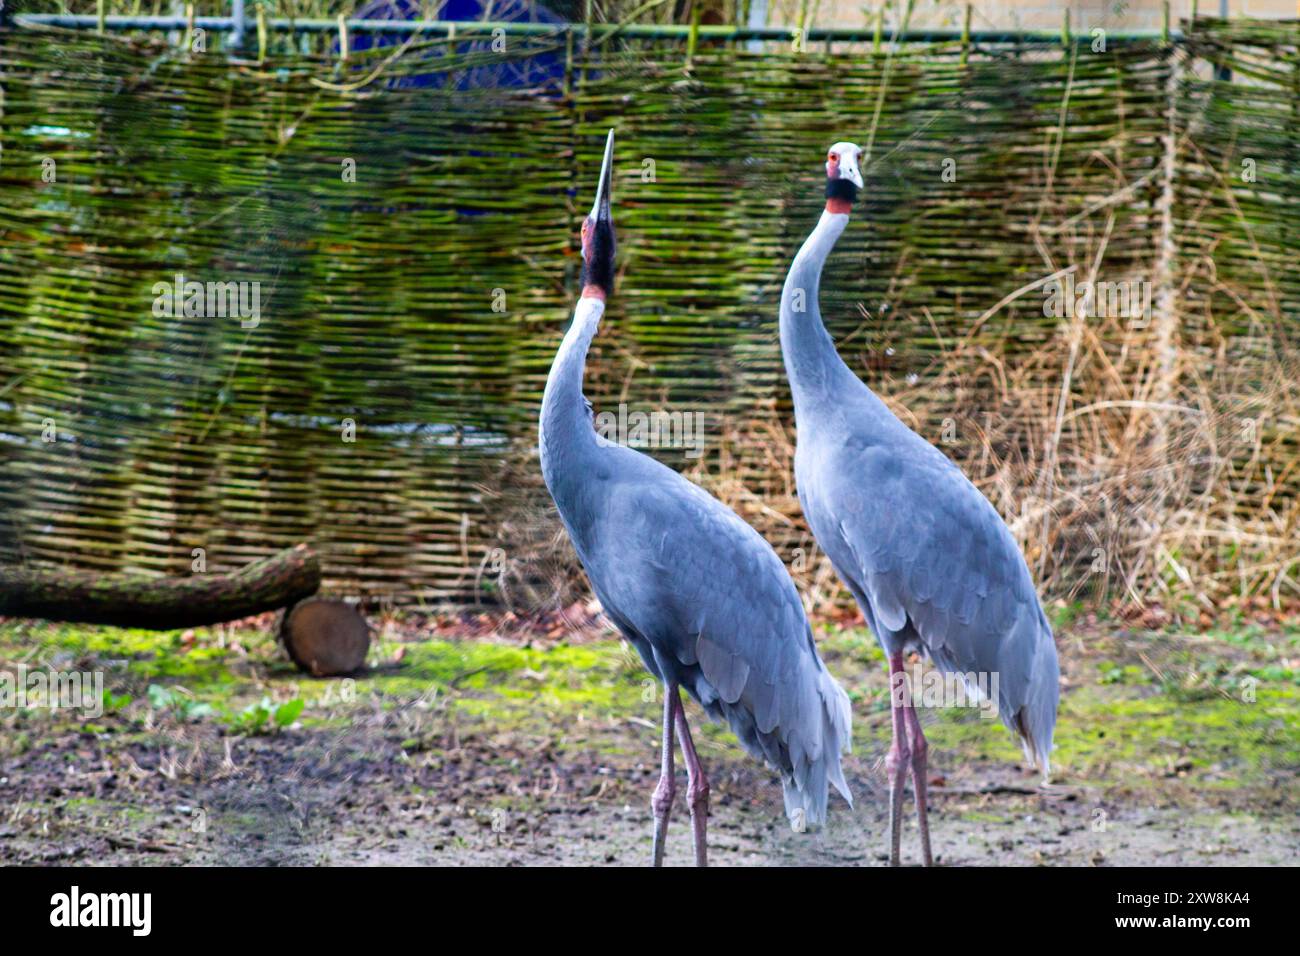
(598, 233)
(600, 208)
(849, 169)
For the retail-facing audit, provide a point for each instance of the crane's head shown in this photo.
(598, 234)
(843, 179)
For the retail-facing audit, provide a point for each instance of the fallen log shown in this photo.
(161, 604)
(325, 636)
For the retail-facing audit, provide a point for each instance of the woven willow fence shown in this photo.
(416, 309)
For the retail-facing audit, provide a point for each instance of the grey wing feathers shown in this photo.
(937, 565)
(717, 606)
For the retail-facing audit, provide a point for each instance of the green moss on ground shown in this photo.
(1182, 708)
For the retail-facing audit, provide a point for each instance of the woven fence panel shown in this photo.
(410, 224)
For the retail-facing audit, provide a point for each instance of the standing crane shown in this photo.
(702, 597)
(927, 557)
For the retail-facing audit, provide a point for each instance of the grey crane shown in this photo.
(700, 594)
(927, 557)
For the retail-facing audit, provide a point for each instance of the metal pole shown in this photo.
(965, 34)
(1223, 74)
(237, 15)
(758, 18)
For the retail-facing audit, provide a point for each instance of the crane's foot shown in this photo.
(661, 803)
(697, 789)
(919, 783)
(699, 802)
(921, 821)
(898, 760)
(896, 766)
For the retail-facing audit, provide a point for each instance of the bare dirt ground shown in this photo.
(304, 801)
(443, 759)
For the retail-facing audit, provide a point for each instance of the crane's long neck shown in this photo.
(566, 436)
(811, 362)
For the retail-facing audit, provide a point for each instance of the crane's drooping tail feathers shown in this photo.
(805, 803)
(806, 755)
(1036, 719)
(1031, 717)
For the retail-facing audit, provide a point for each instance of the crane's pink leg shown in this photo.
(899, 756)
(662, 800)
(919, 750)
(697, 786)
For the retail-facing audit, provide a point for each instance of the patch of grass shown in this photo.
(1114, 673)
(1062, 614)
(1120, 723)
(502, 684)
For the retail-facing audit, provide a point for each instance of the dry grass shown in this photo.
(1136, 468)
(530, 566)
(1147, 464)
